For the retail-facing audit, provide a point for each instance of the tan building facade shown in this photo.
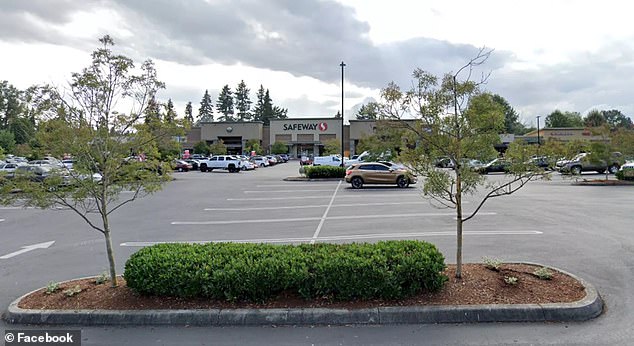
(563, 134)
(234, 135)
(305, 136)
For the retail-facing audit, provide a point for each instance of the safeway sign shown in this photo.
(322, 126)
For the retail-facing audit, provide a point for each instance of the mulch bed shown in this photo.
(478, 285)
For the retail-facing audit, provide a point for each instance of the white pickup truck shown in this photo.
(226, 162)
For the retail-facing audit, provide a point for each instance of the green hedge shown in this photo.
(325, 172)
(625, 174)
(256, 272)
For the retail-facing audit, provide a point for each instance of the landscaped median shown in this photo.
(263, 284)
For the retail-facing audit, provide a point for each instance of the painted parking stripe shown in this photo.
(286, 191)
(1, 220)
(346, 217)
(316, 206)
(323, 217)
(324, 197)
(343, 237)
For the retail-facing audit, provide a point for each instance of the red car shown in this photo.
(181, 166)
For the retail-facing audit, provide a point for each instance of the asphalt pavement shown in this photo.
(586, 230)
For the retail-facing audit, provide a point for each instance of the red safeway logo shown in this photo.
(323, 126)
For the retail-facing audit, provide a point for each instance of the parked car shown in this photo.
(198, 156)
(226, 162)
(8, 168)
(181, 166)
(284, 157)
(541, 161)
(377, 173)
(261, 161)
(582, 163)
(363, 157)
(68, 163)
(272, 160)
(305, 160)
(495, 166)
(330, 160)
(195, 163)
(246, 164)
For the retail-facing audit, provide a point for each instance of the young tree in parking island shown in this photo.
(455, 119)
(113, 151)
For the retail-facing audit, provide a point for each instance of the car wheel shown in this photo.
(356, 182)
(613, 169)
(575, 170)
(180, 169)
(203, 167)
(402, 182)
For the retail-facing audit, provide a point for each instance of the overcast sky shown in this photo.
(571, 55)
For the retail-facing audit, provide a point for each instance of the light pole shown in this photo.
(342, 152)
(538, 139)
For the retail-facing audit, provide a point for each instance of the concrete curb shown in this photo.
(588, 308)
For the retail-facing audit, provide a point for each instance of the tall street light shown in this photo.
(342, 152)
(538, 139)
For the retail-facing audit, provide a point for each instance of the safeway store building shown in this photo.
(303, 136)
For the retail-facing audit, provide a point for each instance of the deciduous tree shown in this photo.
(101, 138)
(455, 119)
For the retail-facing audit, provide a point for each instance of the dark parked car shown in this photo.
(194, 163)
(495, 166)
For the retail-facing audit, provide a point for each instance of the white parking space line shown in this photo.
(296, 184)
(1, 220)
(285, 191)
(233, 222)
(342, 237)
(276, 198)
(324, 197)
(15, 208)
(315, 206)
(268, 208)
(323, 217)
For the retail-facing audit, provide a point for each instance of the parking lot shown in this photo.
(586, 230)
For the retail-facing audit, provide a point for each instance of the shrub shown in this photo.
(325, 172)
(511, 280)
(256, 272)
(52, 287)
(101, 279)
(492, 263)
(543, 273)
(72, 291)
(625, 174)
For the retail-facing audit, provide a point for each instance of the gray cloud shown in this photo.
(311, 38)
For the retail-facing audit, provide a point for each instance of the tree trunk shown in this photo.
(113, 268)
(458, 225)
(106, 232)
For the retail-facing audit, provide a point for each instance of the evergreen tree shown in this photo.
(189, 116)
(258, 112)
(224, 104)
(243, 103)
(206, 110)
(152, 112)
(368, 111)
(170, 113)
